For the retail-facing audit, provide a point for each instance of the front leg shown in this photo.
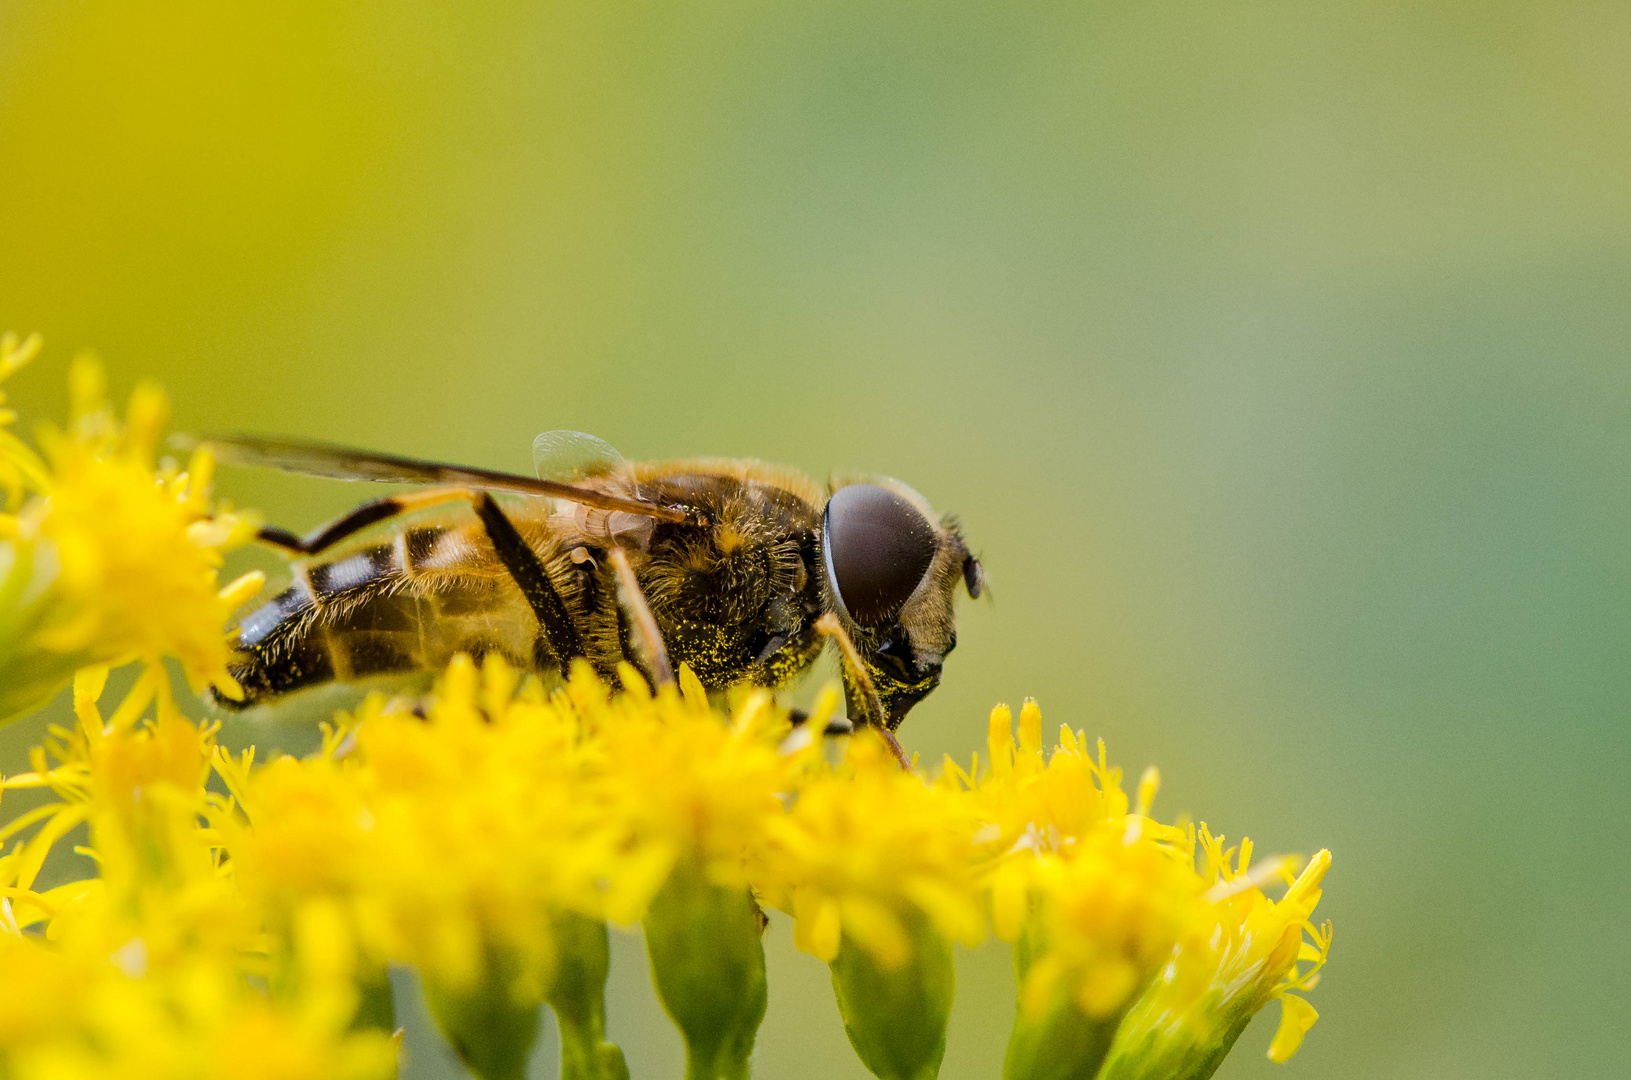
(861, 682)
(643, 631)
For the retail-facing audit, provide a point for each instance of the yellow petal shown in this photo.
(1148, 785)
(1296, 1017)
(1308, 882)
(88, 684)
(1039, 986)
(242, 587)
(1000, 739)
(144, 418)
(691, 688)
(1010, 900)
(87, 387)
(818, 929)
(1030, 726)
(14, 354)
(1105, 986)
(228, 687)
(877, 930)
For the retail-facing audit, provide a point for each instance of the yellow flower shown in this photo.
(303, 829)
(1106, 914)
(465, 837)
(688, 784)
(138, 549)
(472, 824)
(1255, 951)
(68, 1016)
(1100, 894)
(141, 972)
(140, 786)
(696, 789)
(1094, 897)
(1042, 795)
(20, 467)
(865, 845)
(113, 559)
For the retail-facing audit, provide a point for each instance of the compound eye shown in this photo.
(878, 547)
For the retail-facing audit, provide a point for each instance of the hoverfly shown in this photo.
(740, 569)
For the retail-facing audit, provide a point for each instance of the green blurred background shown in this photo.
(1277, 357)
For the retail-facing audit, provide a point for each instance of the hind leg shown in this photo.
(554, 622)
(369, 513)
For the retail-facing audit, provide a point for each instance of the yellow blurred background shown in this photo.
(1277, 357)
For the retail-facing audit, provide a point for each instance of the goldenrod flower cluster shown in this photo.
(243, 915)
(111, 559)
(145, 970)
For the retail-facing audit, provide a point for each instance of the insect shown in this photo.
(740, 569)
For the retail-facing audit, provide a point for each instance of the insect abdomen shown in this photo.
(399, 607)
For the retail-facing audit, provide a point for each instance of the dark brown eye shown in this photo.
(878, 547)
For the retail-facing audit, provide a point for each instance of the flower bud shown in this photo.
(578, 996)
(316, 960)
(709, 969)
(1061, 1043)
(896, 1014)
(1068, 1012)
(376, 1000)
(1189, 1018)
(491, 1022)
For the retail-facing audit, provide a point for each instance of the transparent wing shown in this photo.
(572, 455)
(347, 463)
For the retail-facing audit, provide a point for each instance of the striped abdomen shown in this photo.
(404, 605)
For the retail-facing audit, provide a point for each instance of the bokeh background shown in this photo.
(1276, 355)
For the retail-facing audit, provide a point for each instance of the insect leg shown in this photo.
(829, 626)
(519, 559)
(522, 563)
(648, 639)
(837, 725)
(369, 513)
